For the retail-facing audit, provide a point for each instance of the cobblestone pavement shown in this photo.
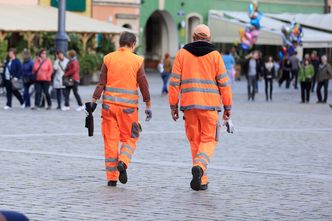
(277, 166)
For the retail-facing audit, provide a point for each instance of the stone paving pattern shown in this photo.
(277, 165)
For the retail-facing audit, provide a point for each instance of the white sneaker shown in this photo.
(65, 108)
(7, 107)
(23, 106)
(80, 108)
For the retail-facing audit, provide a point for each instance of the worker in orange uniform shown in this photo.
(121, 74)
(199, 78)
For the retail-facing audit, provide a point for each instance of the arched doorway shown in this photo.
(193, 20)
(160, 37)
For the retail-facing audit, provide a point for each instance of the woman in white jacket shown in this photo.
(59, 67)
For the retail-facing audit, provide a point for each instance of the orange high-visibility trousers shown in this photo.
(119, 124)
(201, 129)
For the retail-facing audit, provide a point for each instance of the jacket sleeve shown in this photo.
(56, 65)
(16, 69)
(223, 84)
(175, 82)
(70, 70)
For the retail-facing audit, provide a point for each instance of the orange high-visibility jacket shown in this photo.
(201, 82)
(122, 87)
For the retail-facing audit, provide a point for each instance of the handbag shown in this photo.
(17, 83)
(67, 80)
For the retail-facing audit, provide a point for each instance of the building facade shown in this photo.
(81, 7)
(166, 25)
(119, 12)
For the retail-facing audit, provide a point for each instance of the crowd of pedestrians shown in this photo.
(313, 72)
(40, 77)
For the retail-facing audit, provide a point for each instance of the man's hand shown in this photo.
(93, 100)
(227, 115)
(175, 112)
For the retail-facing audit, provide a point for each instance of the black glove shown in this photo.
(148, 113)
(229, 126)
(175, 112)
(89, 109)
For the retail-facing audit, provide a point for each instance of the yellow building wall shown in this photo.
(86, 13)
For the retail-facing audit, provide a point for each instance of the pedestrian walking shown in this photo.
(59, 66)
(295, 66)
(252, 70)
(269, 75)
(71, 80)
(314, 59)
(260, 69)
(42, 71)
(229, 63)
(28, 80)
(167, 68)
(199, 79)
(121, 74)
(306, 74)
(286, 72)
(11, 75)
(323, 77)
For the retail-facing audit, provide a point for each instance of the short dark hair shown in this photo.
(41, 51)
(59, 52)
(127, 39)
(12, 50)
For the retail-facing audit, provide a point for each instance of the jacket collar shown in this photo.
(199, 48)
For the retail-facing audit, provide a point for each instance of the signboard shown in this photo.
(72, 5)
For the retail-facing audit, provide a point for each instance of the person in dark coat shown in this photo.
(27, 76)
(12, 70)
(252, 70)
(315, 63)
(269, 75)
(286, 72)
(323, 77)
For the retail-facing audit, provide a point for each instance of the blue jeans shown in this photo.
(165, 76)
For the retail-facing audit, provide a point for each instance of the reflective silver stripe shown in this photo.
(175, 84)
(126, 153)
(204, 90)
(111, 169)
(123, 91)
(203, 155)
(203, 161)
(221, 76)
(225, 84)
(200, 107)
(128, 147)
(121, 100)
(105, 106)
(198, 81)
(176, 76)
(227, 107)
(111, 160)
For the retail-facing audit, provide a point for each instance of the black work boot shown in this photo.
(204, 187)
(197, 173)
(123, 173)
(111, 183)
